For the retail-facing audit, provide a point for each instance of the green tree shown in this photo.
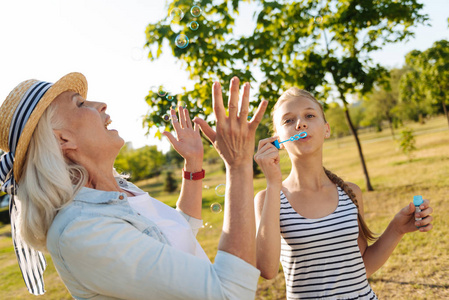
(427, 81)
(172, 157)
(141, 163)
(334, 115)
(321, 46)
(407, 142)
(412, 98)
(382, 104)
(121, 161)
(170, 183)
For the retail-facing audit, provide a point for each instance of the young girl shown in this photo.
(323, 242)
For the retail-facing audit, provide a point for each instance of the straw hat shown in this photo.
(75, 82)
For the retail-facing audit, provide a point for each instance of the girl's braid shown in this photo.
(368, 234)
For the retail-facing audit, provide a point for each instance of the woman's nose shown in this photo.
(100, 106)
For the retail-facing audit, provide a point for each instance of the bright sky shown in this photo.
(103, 39)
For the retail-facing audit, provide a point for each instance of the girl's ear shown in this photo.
(327, 132)
(65, 139)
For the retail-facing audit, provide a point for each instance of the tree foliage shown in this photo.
(141, 163)
(425, 87)
(382, 104)
(321, 46)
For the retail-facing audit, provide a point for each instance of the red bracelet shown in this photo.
(193, 176)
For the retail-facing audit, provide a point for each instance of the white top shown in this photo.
(175, 227)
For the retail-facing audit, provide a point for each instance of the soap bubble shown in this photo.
(176, 14)
(216, 208)
(161, 92)
(166, 117)
(318, 19)
(196, 11)
(194, 25)
(220, 190)
(170, 98)
(181, 41)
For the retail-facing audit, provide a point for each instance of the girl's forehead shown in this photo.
(296, 103)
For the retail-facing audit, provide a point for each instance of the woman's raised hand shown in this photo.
(188, 141)
(235, 135)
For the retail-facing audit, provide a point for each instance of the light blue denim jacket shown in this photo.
(103, 249)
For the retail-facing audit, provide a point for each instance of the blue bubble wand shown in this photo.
(296, 137)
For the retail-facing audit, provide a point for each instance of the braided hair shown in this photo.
(367, 233)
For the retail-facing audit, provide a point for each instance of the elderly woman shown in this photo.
(109, 239)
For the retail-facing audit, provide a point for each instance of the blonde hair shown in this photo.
(295, 92)
(49, 182)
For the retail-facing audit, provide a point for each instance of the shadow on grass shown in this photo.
(438, 286)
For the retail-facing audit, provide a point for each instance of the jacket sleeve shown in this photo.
(194, 223)
(117, 260)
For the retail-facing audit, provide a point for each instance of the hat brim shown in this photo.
(75, 82)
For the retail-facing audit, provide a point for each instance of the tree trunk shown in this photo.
(445, 111)
(390, 122)
(359, 146)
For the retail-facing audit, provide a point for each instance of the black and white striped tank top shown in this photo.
(320, 257)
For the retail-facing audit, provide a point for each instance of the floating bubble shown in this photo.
(216, 208)
(161, 92)
(176, 14)
(220, 190)
(170, 98)
(196, 11)
(182, 103)
(181, 41)
(194, 25)
(166, 117)
(318, 19)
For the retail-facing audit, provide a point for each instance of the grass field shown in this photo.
(417, 269)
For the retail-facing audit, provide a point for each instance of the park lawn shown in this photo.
(417, 269)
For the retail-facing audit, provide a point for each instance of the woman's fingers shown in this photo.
(244, 107)
(184, 117)
(233, 100)
(174, 120)
(171, 138)
(206, 129)
(258, 115)
(217, 102)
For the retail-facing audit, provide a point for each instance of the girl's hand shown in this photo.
(405, 218)
(188, 141)
(267, 157)
(235, 135)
